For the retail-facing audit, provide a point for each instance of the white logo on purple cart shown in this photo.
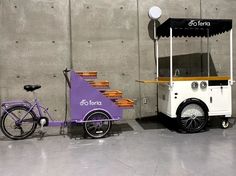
(199, 23)
(85, 102)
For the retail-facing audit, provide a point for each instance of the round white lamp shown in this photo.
(154, 13)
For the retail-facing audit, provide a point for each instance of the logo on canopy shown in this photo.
(199, 23)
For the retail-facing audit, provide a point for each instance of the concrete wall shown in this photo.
(111, 37)
(34, 45)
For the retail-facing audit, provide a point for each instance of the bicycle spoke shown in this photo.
(21, 130)
(13, 115)
(190, 123)
(90, 127)
(28, 120)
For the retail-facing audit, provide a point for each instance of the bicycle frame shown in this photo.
(8, 104)
(39, 113)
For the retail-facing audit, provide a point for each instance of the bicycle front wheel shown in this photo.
(18, 123)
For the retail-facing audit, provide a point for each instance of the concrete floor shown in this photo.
(156, 152)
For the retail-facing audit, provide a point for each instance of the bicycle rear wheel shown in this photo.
(18, 123)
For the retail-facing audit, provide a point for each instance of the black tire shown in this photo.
(96, 129)
(23, 128)
(192, 117)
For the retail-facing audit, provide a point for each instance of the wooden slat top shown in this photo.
(125, 103)
(87, 73)
(195, 78)
(112, 93)
(99, 84)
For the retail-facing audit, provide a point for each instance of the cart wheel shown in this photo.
(225, 123)
(99, 125)
(192, 117)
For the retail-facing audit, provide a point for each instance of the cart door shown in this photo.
(220, 99)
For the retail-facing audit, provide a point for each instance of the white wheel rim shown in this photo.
(193, 111)
(225, 124)
(193, 117)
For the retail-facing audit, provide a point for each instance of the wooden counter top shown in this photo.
(195, 78)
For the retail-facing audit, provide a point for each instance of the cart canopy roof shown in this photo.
(192, 27)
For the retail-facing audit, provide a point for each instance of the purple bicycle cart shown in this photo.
(92, 104)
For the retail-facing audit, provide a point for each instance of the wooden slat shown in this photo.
(125, 103)
(87, 74)
(113, 94)
(99, 84)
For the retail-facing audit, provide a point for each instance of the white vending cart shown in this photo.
(193, 99)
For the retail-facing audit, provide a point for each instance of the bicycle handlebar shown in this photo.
(66, 70)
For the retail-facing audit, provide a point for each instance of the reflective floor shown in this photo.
(135, 152)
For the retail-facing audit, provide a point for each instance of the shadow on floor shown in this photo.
(157, 122)
(162, 121)
(77, 131)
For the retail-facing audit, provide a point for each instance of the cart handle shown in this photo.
(65, 73)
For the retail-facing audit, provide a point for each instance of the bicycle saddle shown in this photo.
(31, 88)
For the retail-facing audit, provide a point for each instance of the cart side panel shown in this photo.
(84, 98)
(182, 90)
(217, 98)
(164, 99)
